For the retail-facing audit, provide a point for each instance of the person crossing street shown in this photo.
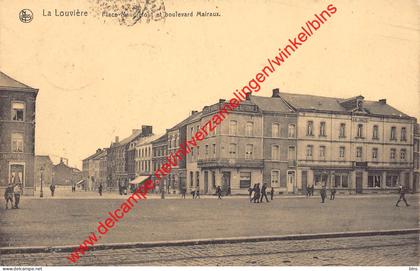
(402, 191)
(264, 193)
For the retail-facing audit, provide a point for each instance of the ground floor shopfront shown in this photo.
(17, 168)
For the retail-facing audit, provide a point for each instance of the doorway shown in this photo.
(225, 180)
(291, 180)
(359, 182)
(206, 182)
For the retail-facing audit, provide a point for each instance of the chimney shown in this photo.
(276, 93)
(117, 139)
(98, 150)
(248, 97)
(61, 160)
(146, 130)
(193, 112)
(222, 101)
(382, 101)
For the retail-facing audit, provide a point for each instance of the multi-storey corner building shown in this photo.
(121, 158)
(94, 169)
(159, 153)
(17, 134)
(352, 144)
(416, 159)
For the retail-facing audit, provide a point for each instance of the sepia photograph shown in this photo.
(209, 134)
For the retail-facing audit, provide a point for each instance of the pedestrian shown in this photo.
(229, 191)
(250, 190)
(52, 188)
(219, 192)
(323, 193)
(183, 192)
(402, 191)
(100, 189)
(257, 194)
(73, 188)
(333, 191)
(312, 190)
(193, 193)
(272, 193)
(8, 195)
(264, 193)
(17, 190)
(197, 193)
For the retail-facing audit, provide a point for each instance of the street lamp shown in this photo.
(41, 194)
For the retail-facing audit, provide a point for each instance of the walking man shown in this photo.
(323, 193)
(219, 192)
(264, 193)
(257, 193)
(52, 188)
(183, 192)
(333, 191)
(250, 190)
(8, 196)
(100, 189)
(272, 193)
(402, 191)
(312, 190)
(197, 193)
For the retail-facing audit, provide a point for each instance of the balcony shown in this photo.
(232, 162)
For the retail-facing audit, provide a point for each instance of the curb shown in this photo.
(233, 240)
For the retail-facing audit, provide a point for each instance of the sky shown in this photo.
(98, 79)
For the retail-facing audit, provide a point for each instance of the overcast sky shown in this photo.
(99, 79)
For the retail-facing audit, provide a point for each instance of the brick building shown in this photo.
(17, 133)
(65, 175)
(43, 164)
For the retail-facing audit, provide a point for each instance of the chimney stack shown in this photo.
(382, 101)
(98, 150)
(146, 130)
(222, 101)
(248, 97)
(193, 112)
(117, 139)
(276, 93)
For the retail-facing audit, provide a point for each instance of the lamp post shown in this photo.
(41, 193)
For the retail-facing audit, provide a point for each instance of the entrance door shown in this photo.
(291, 179)
(17, 174)
(304, 181)
(225, 180)
(206, 182)
(359, 182)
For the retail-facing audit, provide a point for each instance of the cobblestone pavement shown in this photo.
(378, 250)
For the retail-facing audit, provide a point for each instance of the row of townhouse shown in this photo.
(289, 141)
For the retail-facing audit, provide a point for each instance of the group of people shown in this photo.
(13, 190)
(257, 194)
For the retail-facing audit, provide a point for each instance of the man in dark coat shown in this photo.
(402, 191)
(100, 189)
(8, 196)
(323, 194)
(333, 192)
(17, 190)
(219, 192)
(272, 193)
(257, 193)
(264, 193)
(250, 190)
(52, 188)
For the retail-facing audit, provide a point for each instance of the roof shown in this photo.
(46, 158)
(147, 139)
(185, 121)
(320, 103)
(94, 155)
(163, 138)
(8, 83)
(100, 155)
(271, 104)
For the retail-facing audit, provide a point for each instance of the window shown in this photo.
(375, 153)
(191, 179)
(403, 134)
(214, 150)
(233, 126)
(245, 180)
(18, 109)
(393, 133)
(192, 131)
(309, 150)
(213, 179)
(342, 130)
(393, 154)
(359, 131)
(375, 134)
(342, 152)
(322, 129)
(374, 180)
(198, 151)
(291, 155)
(359, 152)
(249, 128)
(232, 150)
(275, 178)
(291, 130)
(275, 128)
(341, 180)
(248, 151)
(392, 179)
(207, 150)
(310, 128)
(322, 152)
(320, 178)
(275, 152)
(403, 154)
(17, 142)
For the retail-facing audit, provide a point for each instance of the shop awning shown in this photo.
(140, 179)
(80, 182)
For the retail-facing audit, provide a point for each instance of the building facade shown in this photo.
(159, 153)
(143, 155)
(17, 134)
(416, 159)
(354, 145)
(44, 165)
(64, 175)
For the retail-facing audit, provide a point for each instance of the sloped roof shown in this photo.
(100, 155)
(147, 139)
(93, 155)
(320, 103)
(8, 83)
(270, 104)
(130, 138)
(185, 121)
(162, 138)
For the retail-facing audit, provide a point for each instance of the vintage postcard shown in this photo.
(209, 133)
